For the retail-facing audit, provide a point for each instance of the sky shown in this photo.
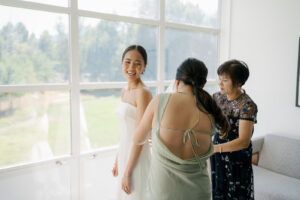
(38, 21)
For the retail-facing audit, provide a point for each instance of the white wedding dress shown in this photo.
(127, 117)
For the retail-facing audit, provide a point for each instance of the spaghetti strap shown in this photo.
(163, 100)
(188, 133)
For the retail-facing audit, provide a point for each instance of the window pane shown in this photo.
(183, 44)
(51, 2)
(211, 88)
(195, 12)
(44, 182)
(153, 91)
(34, 126)
(33, 47)
(101, 46)
(99, 126)
(133, 8)
(96, 178)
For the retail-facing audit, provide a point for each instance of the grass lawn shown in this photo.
(102, 126)
(21, 130)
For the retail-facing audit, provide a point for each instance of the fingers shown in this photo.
(126, 185)
(126, 189)
(115, 171)
(150, 142)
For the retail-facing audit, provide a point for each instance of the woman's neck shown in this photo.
(184, 90)
(135, 84)
(234, 94)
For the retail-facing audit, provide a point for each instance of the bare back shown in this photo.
(182, 114)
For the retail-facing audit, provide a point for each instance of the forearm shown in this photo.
(234, 145)
(134, 156)
(243, 140)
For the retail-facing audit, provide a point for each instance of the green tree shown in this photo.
(98, 47)
(62, 53)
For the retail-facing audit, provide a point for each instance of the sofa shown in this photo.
(277, 173)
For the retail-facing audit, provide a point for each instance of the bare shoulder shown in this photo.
(153, 105)
(154, 102)
(143, 94)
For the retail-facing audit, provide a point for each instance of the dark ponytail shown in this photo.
(193, 72)
(207, 104)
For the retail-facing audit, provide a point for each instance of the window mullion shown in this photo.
(35, 6)
(75, 101)
(161, 47)
(224, 33)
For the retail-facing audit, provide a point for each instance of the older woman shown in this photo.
(231, 169)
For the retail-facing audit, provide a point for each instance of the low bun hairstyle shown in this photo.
(193, 72)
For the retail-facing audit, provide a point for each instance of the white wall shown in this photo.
(265, 34)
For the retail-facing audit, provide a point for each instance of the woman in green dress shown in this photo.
(182, 125)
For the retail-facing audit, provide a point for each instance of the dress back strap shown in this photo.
(189, 134)
(162, 103)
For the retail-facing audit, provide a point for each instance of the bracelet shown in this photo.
(220, 149)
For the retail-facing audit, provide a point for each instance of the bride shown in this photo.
(134, 101)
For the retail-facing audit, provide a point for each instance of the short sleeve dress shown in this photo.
(231, 172)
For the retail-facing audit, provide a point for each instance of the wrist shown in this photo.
(218, 148)
(127, 174)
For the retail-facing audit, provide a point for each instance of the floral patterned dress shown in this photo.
(231, 172)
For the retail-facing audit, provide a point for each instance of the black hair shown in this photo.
(193, 72)
(139, 48)
(237, 71)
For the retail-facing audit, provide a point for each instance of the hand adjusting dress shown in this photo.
(127, 117)
(172, 177)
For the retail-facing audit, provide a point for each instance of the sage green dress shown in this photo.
(172, 178)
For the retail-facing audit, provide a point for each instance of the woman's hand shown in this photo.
(126, 183)
(115, 170)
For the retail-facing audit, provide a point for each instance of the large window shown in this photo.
(60, 67)
(61, 79)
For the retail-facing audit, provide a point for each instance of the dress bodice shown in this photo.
(241, 108)
(125, 110)
(126, 116)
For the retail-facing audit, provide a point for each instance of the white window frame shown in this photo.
(74, 86)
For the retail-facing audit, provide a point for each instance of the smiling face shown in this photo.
(133, 65)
